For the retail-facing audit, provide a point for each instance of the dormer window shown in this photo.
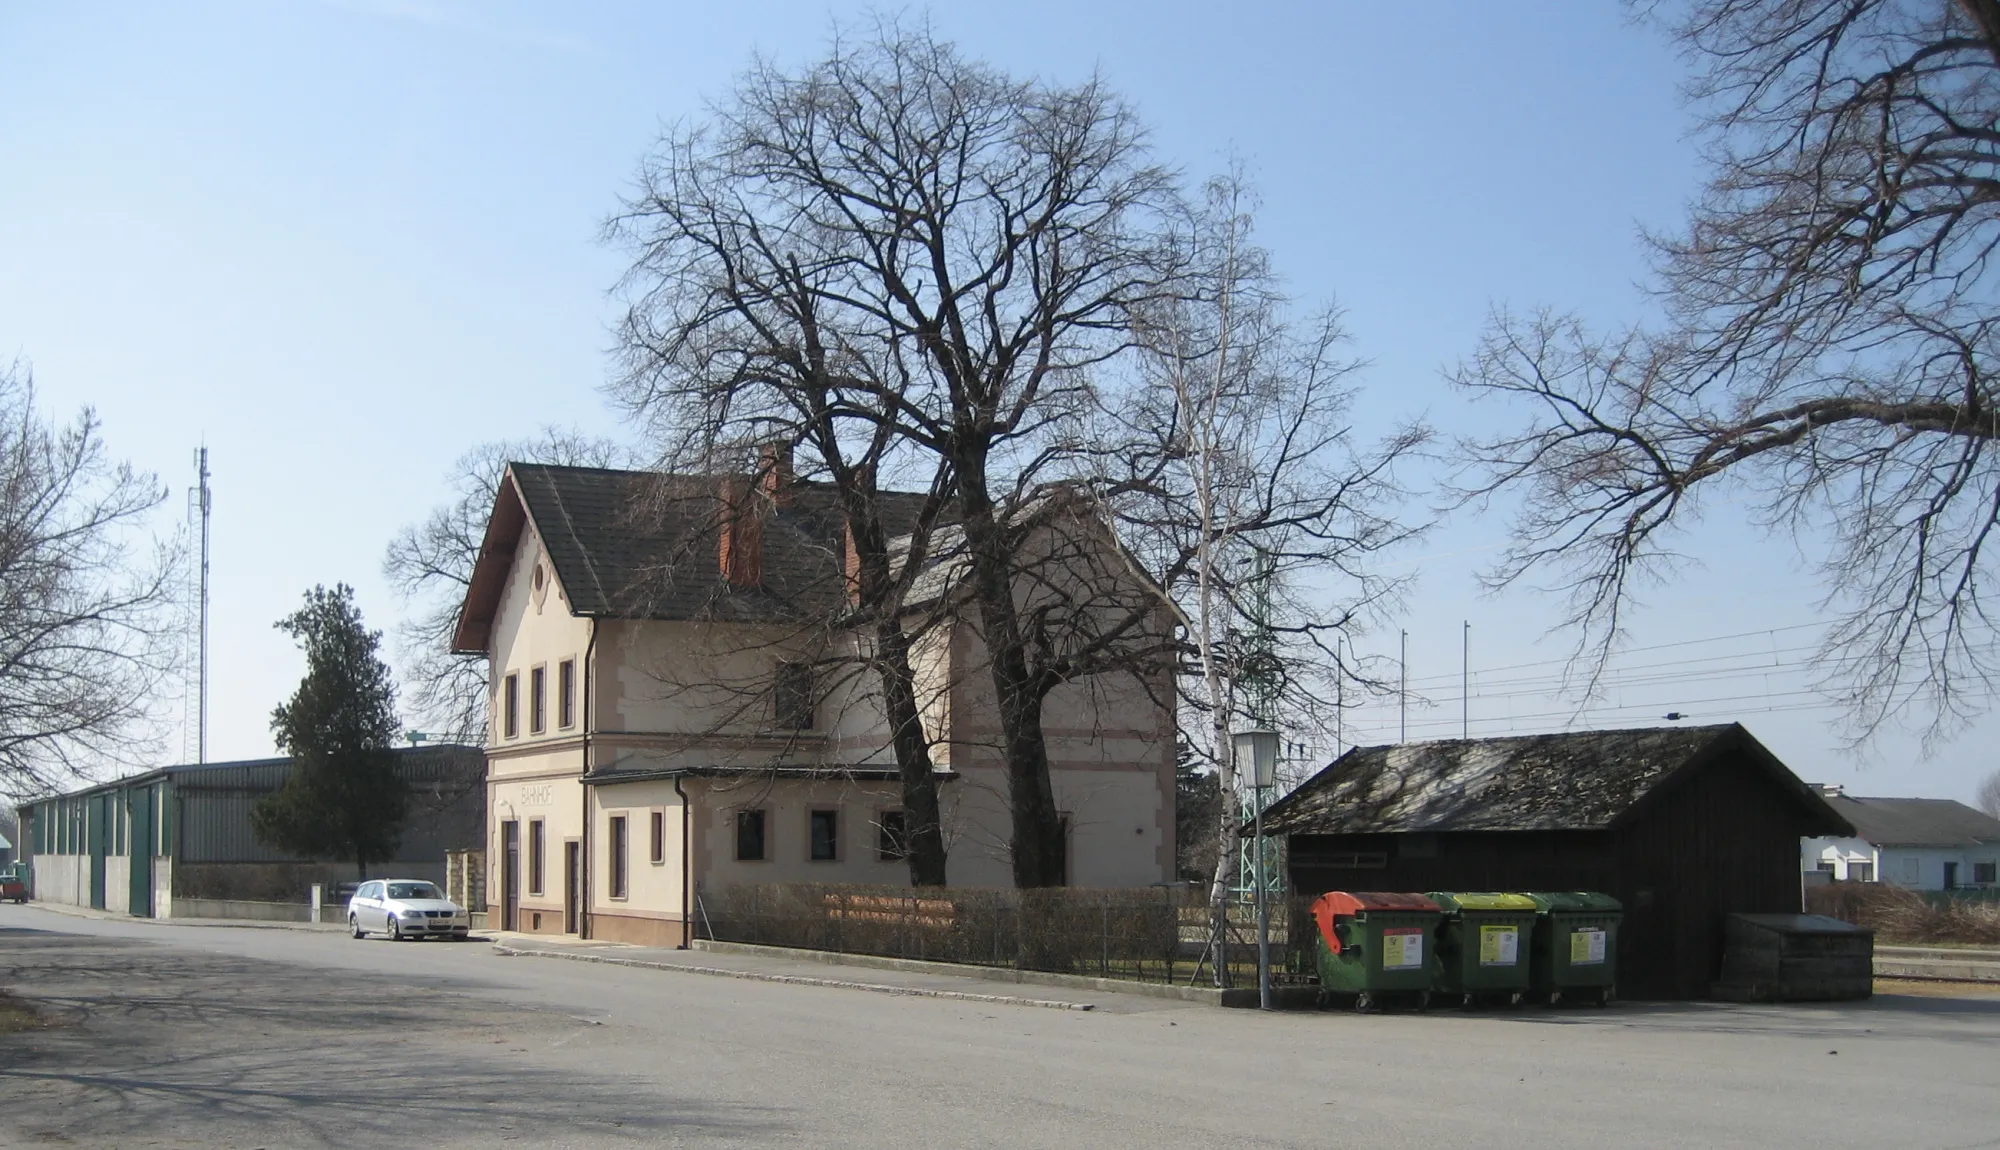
(792, 697)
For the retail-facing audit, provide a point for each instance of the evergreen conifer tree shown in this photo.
(344, 798)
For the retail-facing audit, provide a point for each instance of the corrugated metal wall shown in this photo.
(211, 809)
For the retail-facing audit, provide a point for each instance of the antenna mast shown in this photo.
(199, 500)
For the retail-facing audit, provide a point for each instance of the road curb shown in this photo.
(1240, 997)
(795, 979)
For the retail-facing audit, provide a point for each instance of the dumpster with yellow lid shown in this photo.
(1485, 945)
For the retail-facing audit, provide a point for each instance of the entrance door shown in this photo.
(572, 884)
(139, 853)
(1951, 876)
(510, 875)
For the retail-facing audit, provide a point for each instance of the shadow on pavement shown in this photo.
(179, 1046)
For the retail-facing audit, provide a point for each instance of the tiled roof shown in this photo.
(1580, 780)
(633, 544)
(1917, 822)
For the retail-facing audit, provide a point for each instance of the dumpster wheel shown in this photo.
(1364, 1003)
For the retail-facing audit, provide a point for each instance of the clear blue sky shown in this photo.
(341, 242)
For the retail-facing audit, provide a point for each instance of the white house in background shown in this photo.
(1923, 844)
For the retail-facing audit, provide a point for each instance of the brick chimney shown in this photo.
(742, 547)
(775, 472)
(851, 567)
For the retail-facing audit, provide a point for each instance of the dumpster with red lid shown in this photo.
(1376, 945)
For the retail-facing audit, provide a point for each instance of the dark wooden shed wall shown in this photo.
(1722, 838)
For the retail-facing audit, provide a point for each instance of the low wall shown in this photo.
(281, 882)
(244, 908)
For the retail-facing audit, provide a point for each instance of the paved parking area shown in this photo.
(213, 1036)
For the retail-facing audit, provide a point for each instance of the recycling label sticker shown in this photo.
(1402, 948)
(1499, 945)
(1586, 947)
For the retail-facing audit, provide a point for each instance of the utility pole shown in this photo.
(1339, 701)
(1403, 690)
(1465, 683)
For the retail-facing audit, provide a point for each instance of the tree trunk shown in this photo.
(873, 591)
(1037, 841)
(921, 820)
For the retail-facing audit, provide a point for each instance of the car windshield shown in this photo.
(414, 890)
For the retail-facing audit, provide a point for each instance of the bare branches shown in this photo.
(1827, 351)
(430, 566)
(910, 265)
(86, 634)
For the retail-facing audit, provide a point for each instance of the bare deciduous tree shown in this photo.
(1237, 481)
(88, 630)
(1830, 329)
(430, 566)
(1988, 796)
(909, 263)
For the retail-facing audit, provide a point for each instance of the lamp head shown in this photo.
(1257, 755)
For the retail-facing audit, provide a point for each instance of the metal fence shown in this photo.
(1151, 934)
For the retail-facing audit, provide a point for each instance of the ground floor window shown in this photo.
(658, 837)
(749, 836)
(1985, 873)
(893, 842)
(619, 848)
(1861, 872)
(1826, 865)
(1912, 873)
(824, 835)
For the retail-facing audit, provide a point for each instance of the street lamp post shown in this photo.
(1259, 748)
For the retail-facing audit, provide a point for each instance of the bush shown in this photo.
(1899, 915)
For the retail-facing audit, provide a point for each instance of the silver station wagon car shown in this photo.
(405, 908)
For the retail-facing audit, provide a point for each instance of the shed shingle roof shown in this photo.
(1916, 822)
(1579, 780)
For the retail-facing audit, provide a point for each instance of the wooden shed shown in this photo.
(1684, 825)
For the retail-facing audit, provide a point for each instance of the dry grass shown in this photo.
(17, 1015)
(1936, 988)
(1904, 916)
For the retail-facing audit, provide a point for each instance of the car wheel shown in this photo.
(395, 929)
(354, 924)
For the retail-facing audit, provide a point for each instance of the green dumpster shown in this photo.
(1576, 949)
(1484, 945)
(1376, 947)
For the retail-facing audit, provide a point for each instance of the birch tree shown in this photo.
(1238, 480)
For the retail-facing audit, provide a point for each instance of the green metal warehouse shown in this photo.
(182, 835)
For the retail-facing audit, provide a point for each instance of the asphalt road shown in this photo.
(227, 1037)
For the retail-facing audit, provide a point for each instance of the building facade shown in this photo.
(175, 840)
(676, 710)
(1922, 844)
